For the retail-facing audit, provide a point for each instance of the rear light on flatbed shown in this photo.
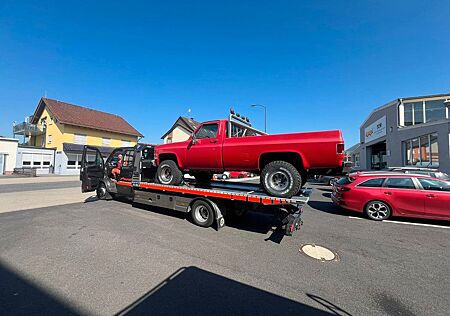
(340, 148)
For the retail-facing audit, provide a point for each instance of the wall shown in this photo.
(94, 137)
(179, 134)
(8, 147)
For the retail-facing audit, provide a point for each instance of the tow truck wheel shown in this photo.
(202, 213)
(168, 173)
(281, 179)
(101, 191)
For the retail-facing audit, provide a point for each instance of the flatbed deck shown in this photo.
(246, 192)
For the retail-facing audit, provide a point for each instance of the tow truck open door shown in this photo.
(92, 169)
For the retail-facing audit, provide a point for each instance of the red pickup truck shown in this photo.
(282, 160)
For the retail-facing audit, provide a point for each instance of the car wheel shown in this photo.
(280, 178)
(101, 191)
(224, 177)
(168, 173)
(202, 213)
(378, 210)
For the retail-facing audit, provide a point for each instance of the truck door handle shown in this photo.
(388, 193)
(213, 141)
(430, 195)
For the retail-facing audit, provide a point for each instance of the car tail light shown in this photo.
(340, 148)
(343, 189)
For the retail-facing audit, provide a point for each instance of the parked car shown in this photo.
(435, 173)
(382, 195)
(328, 180)
(239, 174)
(226, 145)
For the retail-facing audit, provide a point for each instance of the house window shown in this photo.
(422, 151)
(80, 139)
(126, 143)
(49, 139)
(74, 160)
(106, 141)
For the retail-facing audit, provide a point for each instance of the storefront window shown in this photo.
(434, 110)
(415, 151)
(408, 153)
(434, 150)
(422, 151)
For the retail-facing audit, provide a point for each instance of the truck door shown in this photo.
(205, 149)
(92, 169)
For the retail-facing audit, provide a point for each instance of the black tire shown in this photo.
(202, 176)
(378, 210)
(304, 178)
(101, 191)
(281, 179)
(169, 173)
(240, 176)
(202, 213)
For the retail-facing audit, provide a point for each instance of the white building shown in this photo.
(8, 152)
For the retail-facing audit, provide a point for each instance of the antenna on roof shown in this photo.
(189, 113)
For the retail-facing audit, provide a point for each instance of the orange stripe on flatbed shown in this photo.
(245, 197)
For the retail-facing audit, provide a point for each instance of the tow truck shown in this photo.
(208, 204)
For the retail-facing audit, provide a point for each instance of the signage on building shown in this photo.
(375, 130)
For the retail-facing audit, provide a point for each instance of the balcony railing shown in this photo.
(25, 128)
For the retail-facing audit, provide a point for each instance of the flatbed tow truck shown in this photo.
(208, 204)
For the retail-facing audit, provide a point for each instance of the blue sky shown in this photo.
(315, 64)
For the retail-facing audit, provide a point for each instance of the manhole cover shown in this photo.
(318, 252)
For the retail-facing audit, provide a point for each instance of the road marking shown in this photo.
(354, 217)
(417, 224)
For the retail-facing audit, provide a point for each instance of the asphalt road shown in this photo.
(108, 257)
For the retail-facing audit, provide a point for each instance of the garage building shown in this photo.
(411, 131)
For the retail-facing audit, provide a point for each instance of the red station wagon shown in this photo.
(382, 195)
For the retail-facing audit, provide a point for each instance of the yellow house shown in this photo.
(66, 128)
(180, 131)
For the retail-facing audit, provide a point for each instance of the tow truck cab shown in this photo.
(96, 172)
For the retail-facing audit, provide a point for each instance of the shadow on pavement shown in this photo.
(91, 199)
(193, 291)
(327, 207)
(335, 310)
(19, 296)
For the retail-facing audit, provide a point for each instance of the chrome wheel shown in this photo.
(279, 180)
(101, 191)
(378, 210)
(201, 214)
(165, 175)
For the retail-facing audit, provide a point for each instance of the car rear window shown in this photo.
(344, 181)
(372, 183)
(400, 183)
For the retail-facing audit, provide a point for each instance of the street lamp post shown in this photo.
(265, 114)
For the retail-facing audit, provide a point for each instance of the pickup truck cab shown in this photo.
(282, 160)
